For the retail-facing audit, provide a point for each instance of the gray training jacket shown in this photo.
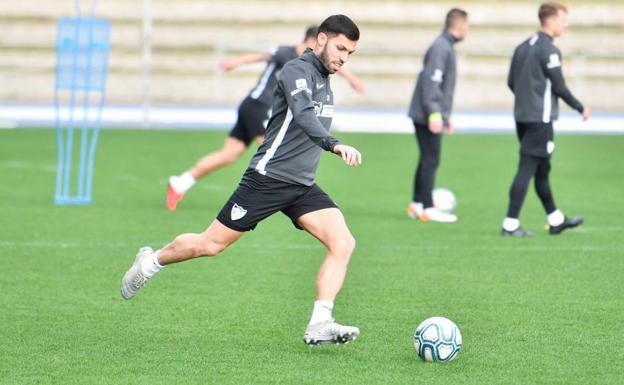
(303, 107)
(436, 81)
(536, 79)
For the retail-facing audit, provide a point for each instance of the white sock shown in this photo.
(556, 218)
(150, 266)
(322, 311)
(511, 224)
(182, 183)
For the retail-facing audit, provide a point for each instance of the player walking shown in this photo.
(281, 177)
(537, 82)
(253, 114)
(430, 109)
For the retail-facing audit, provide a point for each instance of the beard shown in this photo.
(326, 61)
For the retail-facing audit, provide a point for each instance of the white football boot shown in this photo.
(135, 278)
(330, 332)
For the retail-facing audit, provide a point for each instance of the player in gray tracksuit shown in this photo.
(536, 80)
(430, 110)
(281, 177)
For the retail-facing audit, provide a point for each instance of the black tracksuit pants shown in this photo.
(536, 145)
(429, 145)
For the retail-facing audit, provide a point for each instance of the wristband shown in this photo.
(435, 117)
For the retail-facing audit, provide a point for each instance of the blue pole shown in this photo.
(85, 109)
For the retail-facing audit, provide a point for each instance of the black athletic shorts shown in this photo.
(536, 138)
(259, 196)
(251, 122)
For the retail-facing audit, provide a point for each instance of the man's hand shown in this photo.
(350, 155)
(585, 113)
(436, 126)
(449, 128)
(228, 64)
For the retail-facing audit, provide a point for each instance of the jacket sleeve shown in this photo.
(434, 70)
(297, 87)
(551, 63)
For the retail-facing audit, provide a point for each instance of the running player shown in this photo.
(281, 177)
(430, 110)
(253, 114)
(537, 82)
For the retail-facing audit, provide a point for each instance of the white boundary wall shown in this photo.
(346, 120)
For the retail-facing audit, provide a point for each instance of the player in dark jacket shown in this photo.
(281, 177)
(536, 79)
(430, 110)
(253, 114)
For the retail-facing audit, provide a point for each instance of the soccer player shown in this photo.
(253, 114)
(430, 109)
(537, 82)
(281, 177)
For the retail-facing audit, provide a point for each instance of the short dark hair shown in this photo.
(310, 32)
(550, 9)
(453, 16)
(340, 25)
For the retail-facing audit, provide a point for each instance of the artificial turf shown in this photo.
(547, 310)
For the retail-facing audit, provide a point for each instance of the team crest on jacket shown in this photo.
(237, 212)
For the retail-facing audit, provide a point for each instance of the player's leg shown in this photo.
(415, 209)
(557, 221)
(249, 126)
(185, 246)
(542, 186)
(328, 226)
(527, 168)
(430, 146)
(232, 149)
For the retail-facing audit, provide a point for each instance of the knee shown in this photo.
(430, 162)
(229, 157)
(343, 247)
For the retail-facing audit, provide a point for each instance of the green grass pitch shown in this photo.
(547, 310)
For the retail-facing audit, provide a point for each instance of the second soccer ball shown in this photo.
(444, 200)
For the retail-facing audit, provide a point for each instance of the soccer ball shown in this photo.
(437, 339)
(444, 200)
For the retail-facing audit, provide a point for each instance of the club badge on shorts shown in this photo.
(237, 212)
(550, 147)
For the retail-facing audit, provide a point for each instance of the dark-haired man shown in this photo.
(281, 177)
(253, 114)
(430, 110)
(537, 82)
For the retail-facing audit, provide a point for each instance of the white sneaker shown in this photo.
(330, 332)
(435, 215)
(135, 278)
(415, 210)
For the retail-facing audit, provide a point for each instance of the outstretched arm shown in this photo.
(353, 80)
(231, 63)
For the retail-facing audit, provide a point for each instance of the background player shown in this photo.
(430, 109)
(537, 82)
(253, 114)
(281, 177)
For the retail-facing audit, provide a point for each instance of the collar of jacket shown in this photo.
(449, 36)
(309, 56)
(547, 36)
